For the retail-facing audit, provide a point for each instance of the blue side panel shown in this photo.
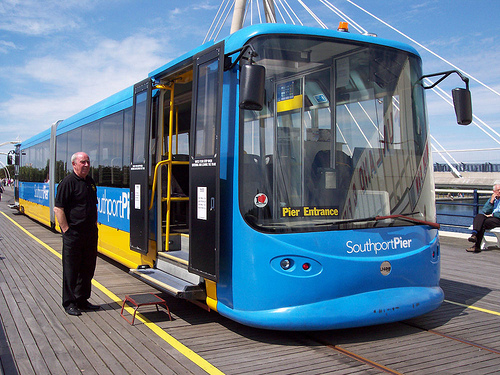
(346, 281)
(376, 307)
(36, 192)
(114, 207)
(113, 203)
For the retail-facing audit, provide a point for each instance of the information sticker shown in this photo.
(137, 197)
(202, 203)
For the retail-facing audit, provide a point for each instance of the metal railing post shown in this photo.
(476, 203)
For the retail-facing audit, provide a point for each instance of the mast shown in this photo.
(269, 11)
(239, 13)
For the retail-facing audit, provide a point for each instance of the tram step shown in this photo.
(176, 263)
(169, 284)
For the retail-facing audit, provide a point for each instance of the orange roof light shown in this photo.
(343, 27)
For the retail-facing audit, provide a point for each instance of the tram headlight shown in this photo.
(286, 264)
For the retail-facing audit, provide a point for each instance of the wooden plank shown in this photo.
(103, 343)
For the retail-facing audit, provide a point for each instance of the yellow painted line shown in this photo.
(474, 308)
(181, 348)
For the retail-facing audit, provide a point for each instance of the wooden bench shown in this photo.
(495, 231)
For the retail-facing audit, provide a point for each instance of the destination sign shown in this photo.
(309, 211)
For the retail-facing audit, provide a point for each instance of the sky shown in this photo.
(58, 57)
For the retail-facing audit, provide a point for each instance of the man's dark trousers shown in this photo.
(481, 223)
(79, 256)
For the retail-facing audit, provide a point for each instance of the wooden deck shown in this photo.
(38, 337)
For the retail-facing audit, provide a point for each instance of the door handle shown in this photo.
(212, 203)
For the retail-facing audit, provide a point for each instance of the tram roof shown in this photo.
(36, 139)
(239, 38)
(124, 98)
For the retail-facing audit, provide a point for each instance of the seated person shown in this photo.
(489, 219)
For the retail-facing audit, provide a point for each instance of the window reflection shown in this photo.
(342, 135)
(107, 145)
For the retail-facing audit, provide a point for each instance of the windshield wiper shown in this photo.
(404, 217)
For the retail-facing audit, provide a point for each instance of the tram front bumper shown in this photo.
(371, 308)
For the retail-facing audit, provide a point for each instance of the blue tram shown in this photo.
(281, 177)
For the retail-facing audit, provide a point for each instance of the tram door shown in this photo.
(139, 170)
(204, 163)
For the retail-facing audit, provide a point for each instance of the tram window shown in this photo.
(349, 134)
(45, 160)
(23, 170)
(127, 145)
(90, 145)
(26, 165)
(206, 108)
(257, 162)
(61, 156)
(34, 163)
(321, 176)
(74, 145)
(111, 147)
(180, 144)
(153, 138)
(140, 128)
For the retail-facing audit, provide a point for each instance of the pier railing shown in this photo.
(467, 167)
(456, 208)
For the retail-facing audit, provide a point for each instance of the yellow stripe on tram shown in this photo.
(474, 308)
(181, 348)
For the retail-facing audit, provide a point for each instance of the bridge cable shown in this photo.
(279, 11)
(219, 18)
(291, 10)
(454, 171)
(447, 99)
(311, 13)
(424, 47)
(258, 11)
(225, 19)
(216, 14)
(341, 14)
(440, 145)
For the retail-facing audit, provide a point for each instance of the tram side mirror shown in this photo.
(463, 105)
(252, 87)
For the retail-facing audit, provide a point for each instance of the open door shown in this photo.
(139, 170)
(204, 163)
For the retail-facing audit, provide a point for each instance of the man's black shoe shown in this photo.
(75, 311)
(88, 306)
(473, 249)
(473, 238)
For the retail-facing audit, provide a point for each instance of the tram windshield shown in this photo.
(342, 137)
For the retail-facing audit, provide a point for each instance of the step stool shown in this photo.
(147, 299)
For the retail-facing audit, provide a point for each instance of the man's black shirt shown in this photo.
(78, 198)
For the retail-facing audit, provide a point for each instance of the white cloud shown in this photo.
(34, 17)
(79, 79)
(6, 46)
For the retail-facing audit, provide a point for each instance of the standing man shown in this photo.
(76, 212)
(489, 219)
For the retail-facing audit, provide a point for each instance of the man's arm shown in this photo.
(61, 218)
